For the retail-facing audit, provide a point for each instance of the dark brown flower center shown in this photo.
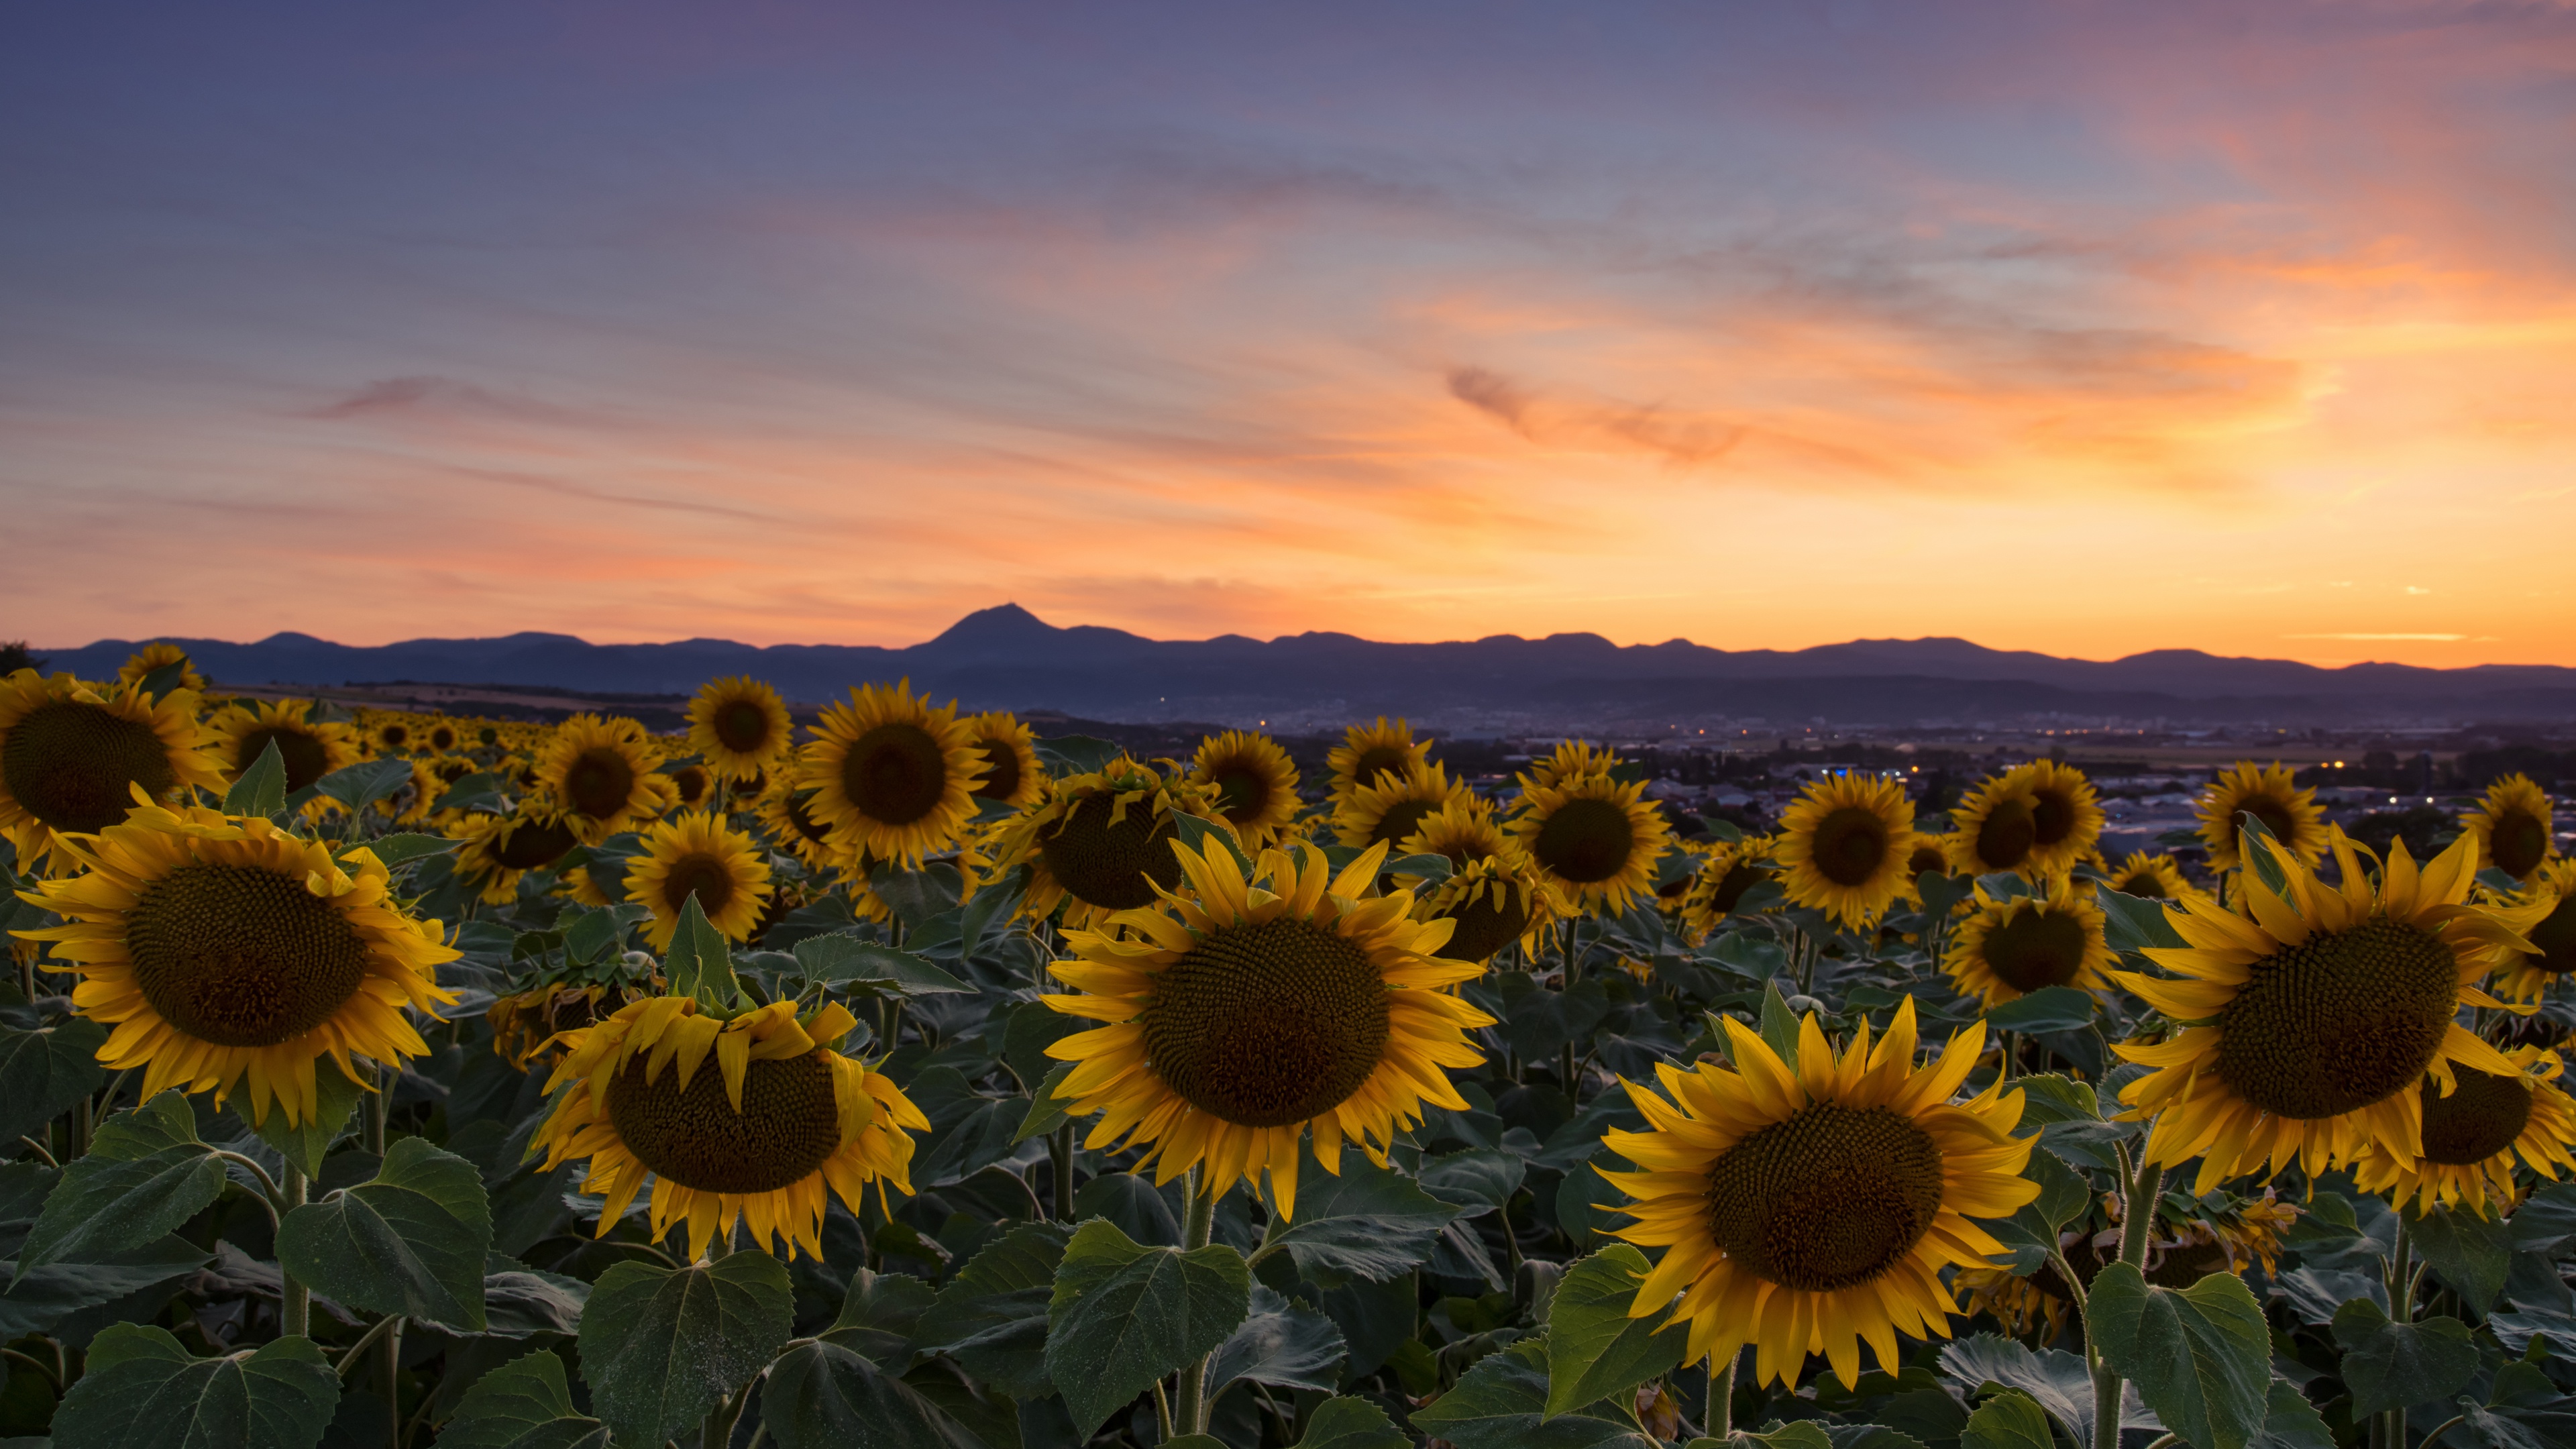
(1740, 877)
(802, 817)
(1379, 760)
(1243, 792)
(2481, 1117)
(1401, 819)
(690, 781)
(2275, 815)
(2519, 842)
(2556, 938)
(442, 738)
(1851, 844)
(742, 726)
(1828, 1199)
(394, 737)
(1585, 841)
(2035, 949)
(304, 756)
(529, 844)
(2052, 816)
(1485, 927)
(701, 875)
(241, 956)
(1112, 865)
(2347, 1019)
(1002, 769)
(895, 774)
(788, 1126)
(1267, 1024)
(69, 764)
(600, 782)
(2006, 835)
(1926, 857)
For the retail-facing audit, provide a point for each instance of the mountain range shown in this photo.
(1006, 657)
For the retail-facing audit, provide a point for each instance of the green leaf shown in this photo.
(2055, 1380)
(2201, 1356)
(1282, 1344)
(410, 1240)
(992, 1318)
(1433, 869)
(2064, 1193)
(43, 1072)
(164, 679)
(39, 1299)
(307, 1142)
(1594, 1349)
(261, 790)
(699, 963)
(104, 1206)
(1479, 1180)
(1367, 1222)
(523, 1404)
(850, 963)
(363, 784)
(2051, 1008)
(1347, 1423)
(590, 935)
(1779, 1026)
(2545, 1220)
(879, 1316)
(395, 849)
(1077, 754)
(1196, 831)
(2132, 924)
(521, 1302)
(140, 1131)
(2392, 1365)
(144, 1391)
(1123, 1315)
(2048, 1098)
(823, 1396)
(1047, 1111)
(1801, 1434)
(2250, 829)
(2007, 1421)
(2291, 1422)
(2472, 1254)
(1501, 1401)
(660, 1347)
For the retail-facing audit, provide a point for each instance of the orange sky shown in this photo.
(2077, 329)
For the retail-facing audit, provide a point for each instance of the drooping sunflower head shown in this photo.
(71, 758)
(2306, 1024)
(1369, 751)
(1395, 806)
(2513, 826)
(151, 659)
(601, 775)
(1013, 774)
(1843, 846)
(229, 955)
(1243, 1012)
(2477, 1126)
(1995, 828)
(698, 854)
(2153, 877)
(2551, 899)
(892, 775)
(309, 749)
(1490, 902)
(1597, 840)
(754, 1118)
(1720, 883)
(1570, 760)
(1250, 781)
(525, 1023)
(499, 849)
(739, 726)
(1102, 841)
(2065, 815)
(2268, 794)
(2007, 949)
(1808, 1206)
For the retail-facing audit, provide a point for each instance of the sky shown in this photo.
(2088, 328)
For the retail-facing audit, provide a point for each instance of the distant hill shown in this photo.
(1007, 657)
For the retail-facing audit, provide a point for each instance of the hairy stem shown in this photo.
(295, 1302)
(1190, 1411)
(1060, 1157)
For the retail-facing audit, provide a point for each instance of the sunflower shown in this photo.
(2152, 877)
(1104, 840)
(387, 733)
(1463, 829)
(1395, 806)
(524, 1024)
(2234, 1238)
(738, 726)
(1490, 902)
(1929, 852)
(690, 786)
(1721, 881)
(757, 1134)
(891, 774)
(1013, 774)
(142, 663)
(1595, 839)
(2065, 815)
(1241, 1012)
(2007, 949)
(2513, 827)
(1570, 760)
(787, 819)
(2268, 794)
(2527, 975)
(1844, 844)
(2476, 1125)
(71, 757)
(308, 749)
(1371, 750)
(1251, 781)
(498, 849)
(2305, 1029)
(1804, 1209)
(1995, 828)
(441, 735)
(600, 771)
(222, 948)
(698, 855)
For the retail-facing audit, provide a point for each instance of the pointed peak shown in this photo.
(1001, 624)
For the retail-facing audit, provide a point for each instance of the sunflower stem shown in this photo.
(2137, 1219)
(1060, 1157)
(1189, 1412)
(295, 1301)
(1718, 1419)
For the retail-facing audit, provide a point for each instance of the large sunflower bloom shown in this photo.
(739, 726)
(2065, 815)
(1995, 828)
(600, 771)
(697, 854)
(499, 849)
(2513, 826)
(1102, 839)
(1804, 1209)
(2268, 794)
(308, 749)
(758, 1134)
(2007, 949)
(71, 758)
(1371, 750)
(2476, 1126)
(1013, 775)
(1241, 1013)
(1724, 875)
(1843, 847)
(2306, 1027)
(1395, 806)
(891, 775)
(2527, 975)
(1251, 782)
(1597, 840)
(229, 955)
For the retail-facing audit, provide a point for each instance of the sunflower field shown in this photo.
(907, 1081)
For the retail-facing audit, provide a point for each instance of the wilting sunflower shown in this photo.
(71, 758)
(1804, 1209)
(1570, 760)
(2235, 1237)
(1371, 750)
(2065, 814)
(891, 775)
(2007, 949)
(749, 1119)
(1843, 846)
(499, 849)
(1395, 806)
(144, 662)
(524, 1024)
(2476, 1126)
(1013, 775)
(1723, 877)
(1240, 1013)
(1490, 902)
(1597, 840)
(230, 955)
(2513, 826)
(2306, 1028)
(600, 772)
(1250, 781)
(2527, 975)
(309, 750)
(1102, 839)
(2152, 877)
(697, 854)
(1995, 828)
(739, 727)
(2268, 794)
